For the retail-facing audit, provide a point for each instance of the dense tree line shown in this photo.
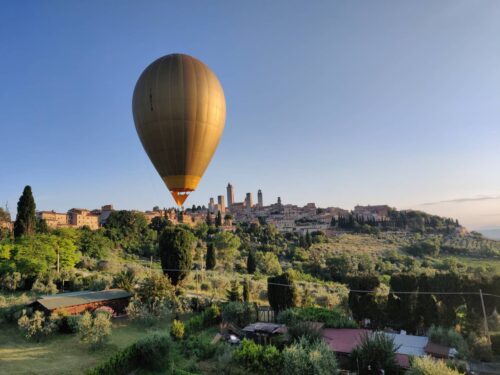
(409, 220)
(409, 304)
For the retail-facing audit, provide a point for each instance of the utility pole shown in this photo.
(486, 330)
(196, 277)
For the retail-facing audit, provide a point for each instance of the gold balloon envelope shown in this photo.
(179, 113)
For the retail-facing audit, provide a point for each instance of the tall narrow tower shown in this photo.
(221, 203)
(259, 199)
(230, 195)
(249, 201)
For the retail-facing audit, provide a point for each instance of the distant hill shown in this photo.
(492, 233)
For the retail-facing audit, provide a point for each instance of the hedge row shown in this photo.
(151, 353)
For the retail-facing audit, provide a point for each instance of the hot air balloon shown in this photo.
(179, 113)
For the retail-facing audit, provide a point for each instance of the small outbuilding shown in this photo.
(79, 302)
(343, 342)
(263, 333)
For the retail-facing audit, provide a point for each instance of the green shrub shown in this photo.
(239, 313)
(12, 313)
(225, 364)
(177, 329)
(428, 366)
(147, 312)
(195, 346)
(288, 317)
(449, 337)
(309, 358)
(376, 351)
(94, 331)
(306, 330)
(331, 318)
(98, 282)
(72, 323)
(151, 353)
(194, 324)
(258, 358)
(37, 326)
(211, 316)
(44, 287)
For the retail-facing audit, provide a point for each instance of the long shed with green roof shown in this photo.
(79, 302)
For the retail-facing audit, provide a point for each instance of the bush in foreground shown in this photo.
(151, 353)
(449, 337)
(209, 317)
(375, 352)
(36, 327)
(239, 313)
(428, 366)
(177, 330)
(260, 359)
(304, 330)
(309, 358)
(95, 331)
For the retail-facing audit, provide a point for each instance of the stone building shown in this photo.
(53, 219)
(79, 217)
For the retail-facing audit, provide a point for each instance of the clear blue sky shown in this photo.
(336, 102)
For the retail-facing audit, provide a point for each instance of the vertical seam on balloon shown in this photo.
(193, 140)
(159, 116)
(206, 123)
(170, 112)
(203, 128)
(184, 108)
(167, 121)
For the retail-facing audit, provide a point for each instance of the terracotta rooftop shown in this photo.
(343, 340)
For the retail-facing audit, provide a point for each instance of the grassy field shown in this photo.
(61, 353)
(361, 243)
(493, 263)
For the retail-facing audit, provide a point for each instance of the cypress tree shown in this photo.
(233, 294)
(333, 222)
(308, 239)
(302, 241)
(218, 219)
(175, 247)
(211, 260)
(251, 266)
(246, 291)
(281, 292)
(25, 223)
(208, 219)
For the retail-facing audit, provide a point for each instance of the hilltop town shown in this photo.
(245, 276)
(286, 218)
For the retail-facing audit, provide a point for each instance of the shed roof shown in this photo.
(80, 298)
(265, 327)
(343, 340)
(436, 350)
(409, 344)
